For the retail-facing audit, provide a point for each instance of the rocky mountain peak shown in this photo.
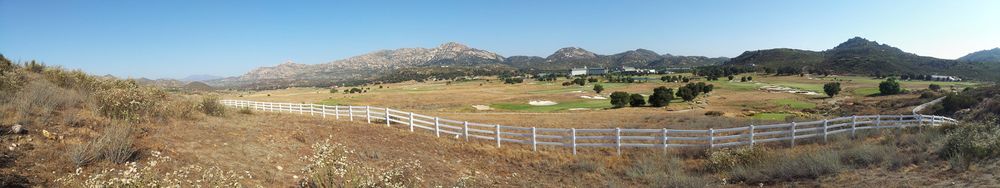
(572, 53)
(453, 46)
(856, 42)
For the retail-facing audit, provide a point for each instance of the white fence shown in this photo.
(614, 138)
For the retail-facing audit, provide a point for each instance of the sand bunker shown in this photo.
(593, 97)
(481, 107)
(576, 109)
(773, 88)
(542, 103)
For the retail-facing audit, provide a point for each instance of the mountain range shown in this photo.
(447, 59)
(862, 56)
(854, 56)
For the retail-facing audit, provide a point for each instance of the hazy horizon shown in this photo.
(180, 38)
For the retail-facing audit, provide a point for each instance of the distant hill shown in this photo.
(199, 77)
(198, 86)
(861, 56)
(988, 56)
(450, 60)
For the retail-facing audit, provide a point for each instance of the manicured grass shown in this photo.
(792, 103)
(566, 105)
(735, 86)
(588, 88)
(771, 116)
(865, 91)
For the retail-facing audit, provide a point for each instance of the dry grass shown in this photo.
(40, 98)
(210, 105)
(116, 145)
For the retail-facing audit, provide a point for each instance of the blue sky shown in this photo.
(158, 39)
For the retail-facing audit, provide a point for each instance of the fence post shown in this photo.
(752, 141)
(437, 127)
(793, 134)
(900, 123)
(368, 114)
(465, 129)
(301, 108)
(854, 126)
(534, 142)
(312, 107)
(618, 140)
(666, 142)
(920, 120)
(878, 121)
(498, 135)
(711, 138)
(825, 127)
(932, 121)
(411, 121)
(271, 105)
(336, 112)
(387, 116)
(572, 137)
(350, 112)
(324, 111)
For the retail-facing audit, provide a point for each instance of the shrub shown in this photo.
(33, 66)
(210, 106)
(934, 87)
(333, 166)
(332, 90)
(686, 93)
(808, 165)
(114, 145)
(580, 81)
(661, 96)
(831, 89)
(598, 88)
(952, 103)
(591, 80)
(972, 141)
(714, 113)
(246, 110)
(727, 158)
(125, 100)
(637, 100)
(889, 87)
(867, 155)
(658, 171)
(40, 98)
(619, 99)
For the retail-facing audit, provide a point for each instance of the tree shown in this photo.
(743, 79)
(619, 99)
(637, 100)
(661, 96)
(333, 90)
(707, 88)
(749, 78)
(686, 93)
(591, 80)
(580, 81)
(685, 79)
(889, 87)
(731, 77)
(598, 88)
(934, 87)
(952, 103)
(832, 88)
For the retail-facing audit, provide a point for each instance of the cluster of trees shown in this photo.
(676, 78)
(715, 72)
(743, 78)
(619, 79)
(512, 80)
(661, 95)
(547, 77)
(786, 71)
(352, 90)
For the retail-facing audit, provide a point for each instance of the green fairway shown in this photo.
(792, 103)
(588, 88)
(593, 104)
(866, 91)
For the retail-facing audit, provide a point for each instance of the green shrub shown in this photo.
(831, 89)
(661, 96)
(125, 100)
(636, 100)
(210, 105)
(598, 88)
(934, 87)
(889, 87)
(714, 113)
(952, 103)
(972, 141)
(619, 99)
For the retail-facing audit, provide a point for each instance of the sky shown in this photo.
(177, 38)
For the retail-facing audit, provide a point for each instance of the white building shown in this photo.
(587, 71)
(945, 78)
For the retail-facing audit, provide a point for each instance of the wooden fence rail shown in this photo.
(617, 138)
